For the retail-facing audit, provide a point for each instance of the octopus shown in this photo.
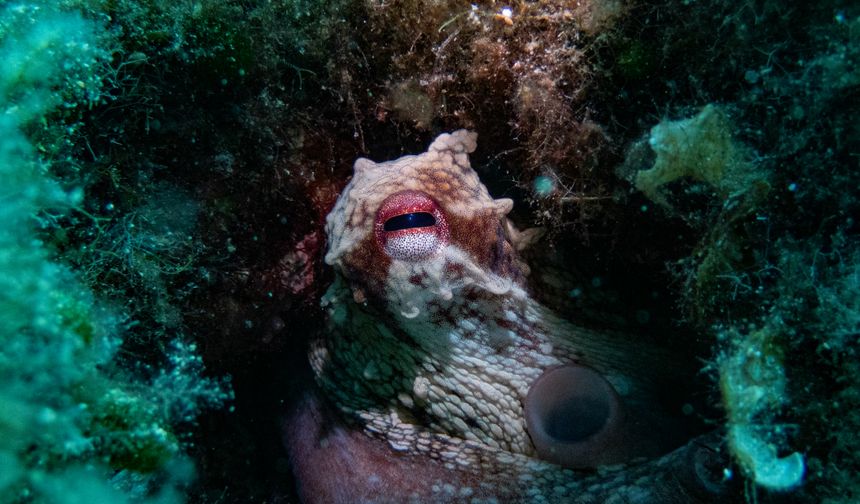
(439, 378)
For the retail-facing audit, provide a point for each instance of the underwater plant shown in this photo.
(76, 422)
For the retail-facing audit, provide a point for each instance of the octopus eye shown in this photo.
(410, 220)
(410, 226)
(574, 417)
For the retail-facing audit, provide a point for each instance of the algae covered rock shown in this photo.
(700, 148)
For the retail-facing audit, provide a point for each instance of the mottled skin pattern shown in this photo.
(432, 348)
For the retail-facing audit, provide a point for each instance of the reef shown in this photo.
(168, 169)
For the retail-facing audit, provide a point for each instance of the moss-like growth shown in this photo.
(68, 409)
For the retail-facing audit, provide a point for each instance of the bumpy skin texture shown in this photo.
(433, 346)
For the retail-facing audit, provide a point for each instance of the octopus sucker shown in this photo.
(441, 379)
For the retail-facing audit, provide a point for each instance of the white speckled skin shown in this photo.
(435, 356)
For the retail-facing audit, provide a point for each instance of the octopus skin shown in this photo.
(440, 379)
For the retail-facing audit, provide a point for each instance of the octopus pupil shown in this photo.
(410, 220)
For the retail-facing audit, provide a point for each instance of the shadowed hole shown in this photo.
(576, 418)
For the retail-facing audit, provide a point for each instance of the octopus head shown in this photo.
(421, 224)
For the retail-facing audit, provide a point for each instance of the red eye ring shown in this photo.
(410, 226)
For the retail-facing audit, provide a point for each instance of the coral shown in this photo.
(694, 169)
(701, 148)
(752, 382)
